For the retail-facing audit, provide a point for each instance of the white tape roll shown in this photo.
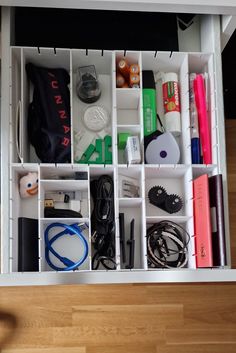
(163, 150)
(96, 118)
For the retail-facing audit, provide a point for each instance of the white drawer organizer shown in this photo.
(125, 108)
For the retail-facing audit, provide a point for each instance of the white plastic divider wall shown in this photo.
(125, 107)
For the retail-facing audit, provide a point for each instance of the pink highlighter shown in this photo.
(204, 129)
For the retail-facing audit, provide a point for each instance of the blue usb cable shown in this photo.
(73, 229)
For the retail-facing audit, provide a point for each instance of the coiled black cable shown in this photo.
(102, 222)
(167, 245)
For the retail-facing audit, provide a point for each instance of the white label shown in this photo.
(213, 220)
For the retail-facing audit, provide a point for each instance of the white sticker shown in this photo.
(213, 220)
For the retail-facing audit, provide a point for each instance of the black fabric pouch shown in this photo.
(49, 127)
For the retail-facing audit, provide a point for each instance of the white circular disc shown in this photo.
(96, 118)
(163, 150)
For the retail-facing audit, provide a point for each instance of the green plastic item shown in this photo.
(87, 154)
(122, 140)
(101, 148)
(98, 150)
(108, 153)
(149, 111)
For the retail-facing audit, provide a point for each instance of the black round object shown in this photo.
(173, 203)
(157, 195)
(89, 90)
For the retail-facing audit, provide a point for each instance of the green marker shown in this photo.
(149, 103)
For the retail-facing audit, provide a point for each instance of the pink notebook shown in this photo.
(205, 135)
(202, 222)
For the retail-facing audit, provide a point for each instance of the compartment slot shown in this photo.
(177, 181)
(45, 57)
(20, 207)
(188, 226)
(15, 105)
(218, 238)
(63, 172)
(83, 134)
(128, 106)
(67, 246)
(130, 182)
(132, 209)
(131, 130)
(204, 63)
(164, 62)
(23, 207)
(65, 194)
(199, 170)
(101, 233)
(126, 71)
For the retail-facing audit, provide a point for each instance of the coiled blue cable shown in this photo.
(73, 229)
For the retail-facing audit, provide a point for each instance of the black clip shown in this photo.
(122, 236)
(131, 243)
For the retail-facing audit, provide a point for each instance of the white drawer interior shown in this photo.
(125, 108)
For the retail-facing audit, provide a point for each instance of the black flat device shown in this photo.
(27, 245)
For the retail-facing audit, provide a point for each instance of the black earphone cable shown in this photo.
(103, 224)
(160, 239)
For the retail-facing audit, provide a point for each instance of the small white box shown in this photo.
(132, 150)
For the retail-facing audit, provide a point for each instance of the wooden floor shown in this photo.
(125, 318)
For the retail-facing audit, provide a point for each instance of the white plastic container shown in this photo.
(171, 102)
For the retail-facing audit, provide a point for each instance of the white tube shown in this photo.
(171, 101)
